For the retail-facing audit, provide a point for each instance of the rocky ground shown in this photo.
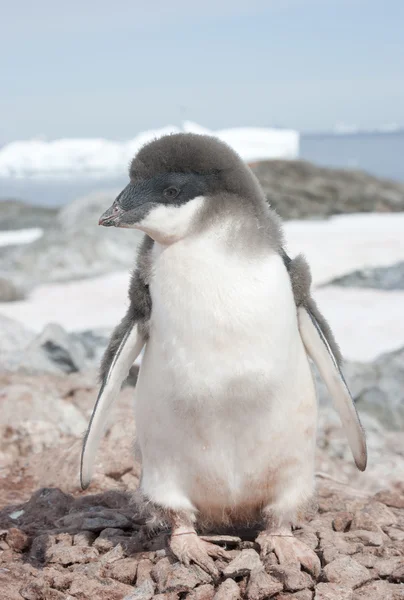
(58, 546)
(57, 542)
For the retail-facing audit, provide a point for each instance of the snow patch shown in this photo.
(20, 236)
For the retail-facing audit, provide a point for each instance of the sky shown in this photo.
(97, 68)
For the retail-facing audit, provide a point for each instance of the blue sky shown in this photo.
(97, 68)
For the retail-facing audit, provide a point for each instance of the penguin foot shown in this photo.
(289, 550)
(189, 547)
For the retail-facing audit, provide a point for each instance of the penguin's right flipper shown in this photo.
(319, 350)
(127, 352)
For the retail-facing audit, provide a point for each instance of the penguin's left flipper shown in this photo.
(127, 352)
(319, 350)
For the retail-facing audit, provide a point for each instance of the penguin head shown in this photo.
(172, 180)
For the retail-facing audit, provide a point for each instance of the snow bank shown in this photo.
(106, 158)
(20, 236)
(366, 322)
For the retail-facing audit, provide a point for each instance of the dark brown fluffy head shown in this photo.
(191, 153)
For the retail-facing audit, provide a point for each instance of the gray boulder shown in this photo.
(377, 388)
(75, 248)
(381, 278)
(15, 214)
(301, 190)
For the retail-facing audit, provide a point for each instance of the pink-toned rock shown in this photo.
(202, 592)
(160, 573)
(342, 521)
(123, 570)
(398, 573)
(382, 516)
(84, 538)
(291, 577)
(68, 555)
(365, 559)
(17, 539)
(262, 586)
(243, 564)
(379, 590)
(145, 591)
(346, 572)
(36, 591)
(364, 521)
(86, 588)
(385, 567)
(184, 579)
(395, 534)
(144, 568)
(302, 595)
(228, 590)
(332, 591)
(366, 537)
(391, 498)
(168, 596)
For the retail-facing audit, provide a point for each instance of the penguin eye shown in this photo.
(171, 192)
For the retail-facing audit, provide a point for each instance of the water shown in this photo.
(378, 154)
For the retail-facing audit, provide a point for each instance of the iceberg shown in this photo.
(99, 157)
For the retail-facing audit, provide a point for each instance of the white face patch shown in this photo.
(168, 224)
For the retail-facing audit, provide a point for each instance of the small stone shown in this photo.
(366, 537)
(17, 539)
(60, 580)
(84, 538)
(103, 544)
(397, 535)
(228, 590)
(390, 498)
(346, 572)
(262, 586)
(302, 595)
(62, 539)
(378, 590)
(123, 570)
(202, 592)
(116, 553)
(84, 588)
(68, 555)
(363, 521)
(366, 560)
(144, 569)
(332, 591)
(144, 591)
(169, 596)
(291, 577)
(246, 561)
(184, 579)
(342, 521)
(160, 573)
(381, 515)
(385, 567)
(398, 573)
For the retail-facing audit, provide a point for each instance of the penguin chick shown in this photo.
(225, 403)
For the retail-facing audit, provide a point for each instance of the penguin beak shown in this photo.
(111, 216)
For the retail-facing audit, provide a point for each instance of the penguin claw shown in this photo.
(289, 550)
(192, 549)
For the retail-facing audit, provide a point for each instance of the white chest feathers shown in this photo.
(214, 309)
